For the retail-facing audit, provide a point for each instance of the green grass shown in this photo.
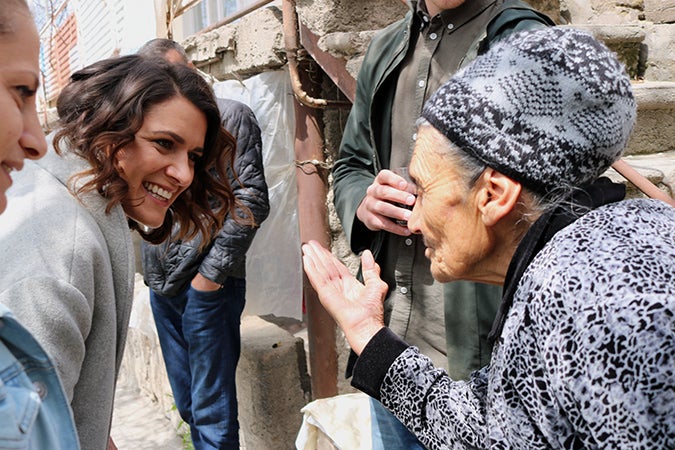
(183, 431)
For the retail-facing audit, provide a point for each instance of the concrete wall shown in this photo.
(255, 43)
(252, 45)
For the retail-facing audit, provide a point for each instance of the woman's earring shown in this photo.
(118, 167)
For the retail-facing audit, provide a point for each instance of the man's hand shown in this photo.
(379, 210)
(357, 309)
(201, 283)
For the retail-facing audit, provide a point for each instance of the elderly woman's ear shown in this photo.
(496, 196)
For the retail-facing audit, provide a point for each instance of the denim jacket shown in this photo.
(34, 410)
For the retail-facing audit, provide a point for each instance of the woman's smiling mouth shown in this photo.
(157, 191)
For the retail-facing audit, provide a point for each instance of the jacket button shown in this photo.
(40, 388)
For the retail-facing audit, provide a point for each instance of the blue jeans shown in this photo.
(201, 342)
(388, 433)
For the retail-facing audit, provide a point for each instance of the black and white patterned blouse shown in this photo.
(586, 358)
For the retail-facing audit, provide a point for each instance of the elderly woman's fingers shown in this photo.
(369, 266)
(357, 309)
(371, 274)
(316, 271)
(322, 265)
(330, 278)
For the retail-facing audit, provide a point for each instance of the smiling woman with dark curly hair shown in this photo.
(139, 146)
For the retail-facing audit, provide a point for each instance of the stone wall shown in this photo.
(255, 43)
(252, 45)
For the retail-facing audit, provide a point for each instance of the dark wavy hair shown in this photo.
(103, 107)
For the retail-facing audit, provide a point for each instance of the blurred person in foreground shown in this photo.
(198, 290)
(34, 410)
(507, 166)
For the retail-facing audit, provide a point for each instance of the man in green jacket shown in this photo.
(405, 63)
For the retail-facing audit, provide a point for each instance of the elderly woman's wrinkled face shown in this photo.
(159, 164)
(445, 212)
(20, 133)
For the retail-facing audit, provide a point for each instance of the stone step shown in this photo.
(624, 39)
(613, 34)
(654, 131)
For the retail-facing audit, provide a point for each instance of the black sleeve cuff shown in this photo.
(374, 362)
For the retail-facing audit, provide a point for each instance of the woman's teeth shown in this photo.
(157, 191)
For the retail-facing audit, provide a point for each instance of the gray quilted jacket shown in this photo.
(170, 267)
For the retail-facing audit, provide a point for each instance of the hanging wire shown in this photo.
(312, 162)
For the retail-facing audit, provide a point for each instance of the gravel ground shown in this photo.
(138, 424)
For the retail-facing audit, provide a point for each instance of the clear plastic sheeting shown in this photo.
(341, 422)
(274, 263)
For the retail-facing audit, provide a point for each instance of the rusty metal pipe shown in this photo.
(312, 209)
(647, 187)
(291, 41)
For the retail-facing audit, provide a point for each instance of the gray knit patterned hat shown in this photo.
(546, 108)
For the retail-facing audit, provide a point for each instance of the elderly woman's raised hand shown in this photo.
(357, 308)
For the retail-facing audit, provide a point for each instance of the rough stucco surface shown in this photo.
(328, 16)
(605, 12)
(252, 45)
(659, 46)
(660, 11)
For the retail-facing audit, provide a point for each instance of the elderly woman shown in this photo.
(506, 164)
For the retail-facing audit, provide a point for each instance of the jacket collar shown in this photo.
(457, 16)
(599, 193)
